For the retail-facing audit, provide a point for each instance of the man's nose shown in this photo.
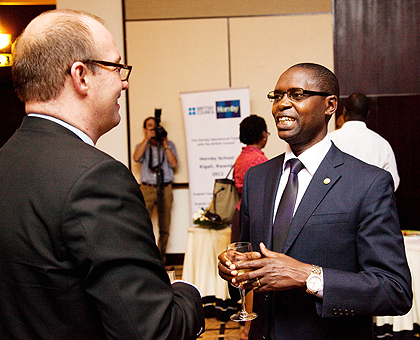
(125, 85)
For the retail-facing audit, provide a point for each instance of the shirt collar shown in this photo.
(83, 136)
(312, 157)
(354, 123)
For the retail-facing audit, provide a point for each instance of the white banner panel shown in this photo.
(212, 135)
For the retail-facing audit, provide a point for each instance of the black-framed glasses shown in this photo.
(124, 70)
(295, 94)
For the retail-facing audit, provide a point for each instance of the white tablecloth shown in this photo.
(406, 322)
(200, 262)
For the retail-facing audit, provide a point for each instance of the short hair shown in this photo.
(325, 79)
(251, 129)
(42, 59)
(146, 120)
(357, 107)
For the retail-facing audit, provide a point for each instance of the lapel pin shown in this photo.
(327, 181)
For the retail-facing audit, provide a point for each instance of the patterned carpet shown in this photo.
(217, 330)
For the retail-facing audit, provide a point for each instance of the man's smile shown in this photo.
(284, 121)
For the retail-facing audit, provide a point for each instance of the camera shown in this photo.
(159, 130)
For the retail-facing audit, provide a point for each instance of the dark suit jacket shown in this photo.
(349, 226)
(77, 252)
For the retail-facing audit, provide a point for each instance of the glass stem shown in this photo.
(242, 291)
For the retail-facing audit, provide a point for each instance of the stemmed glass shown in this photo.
(235, 252)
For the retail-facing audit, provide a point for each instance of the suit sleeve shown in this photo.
(382, 283)
(108, 232)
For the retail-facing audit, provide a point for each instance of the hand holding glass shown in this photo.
(235, 252)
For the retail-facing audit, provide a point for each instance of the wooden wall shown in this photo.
(183, 9)
(377, 52)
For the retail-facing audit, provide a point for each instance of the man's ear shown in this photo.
(79, 73)
(331, 105)
(344, 113)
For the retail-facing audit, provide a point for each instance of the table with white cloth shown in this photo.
(404, 326)
(200, 268)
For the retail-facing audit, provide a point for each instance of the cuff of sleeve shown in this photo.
(188, 283)
(320, 292)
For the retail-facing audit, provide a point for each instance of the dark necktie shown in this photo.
(286, 207)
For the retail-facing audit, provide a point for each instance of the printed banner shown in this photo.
(211, 122)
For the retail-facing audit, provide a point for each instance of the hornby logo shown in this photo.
(228, 109)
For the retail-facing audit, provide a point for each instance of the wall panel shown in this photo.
(377, 52)
(377, 46)
(169, 9)
(170, 57)
(263, 47)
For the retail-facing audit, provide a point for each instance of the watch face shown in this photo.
(314, 283)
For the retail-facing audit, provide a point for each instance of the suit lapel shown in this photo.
(327, 174)
(270, 190)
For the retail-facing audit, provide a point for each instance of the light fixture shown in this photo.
(4, 40)
(5, 60)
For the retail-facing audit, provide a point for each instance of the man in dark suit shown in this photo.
(77, 252)
(343, 258)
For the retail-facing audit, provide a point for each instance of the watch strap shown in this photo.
(316, 269)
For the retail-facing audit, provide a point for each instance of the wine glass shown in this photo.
(235, 252)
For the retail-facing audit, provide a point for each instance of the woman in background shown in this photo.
(253, 133)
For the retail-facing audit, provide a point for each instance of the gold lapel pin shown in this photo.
(327, 181)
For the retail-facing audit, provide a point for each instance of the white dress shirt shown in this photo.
(357, 140)
(83, 136)
(311, 159)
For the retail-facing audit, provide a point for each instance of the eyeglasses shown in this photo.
(295, 94)
(124, 70)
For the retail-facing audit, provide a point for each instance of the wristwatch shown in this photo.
(314, 281)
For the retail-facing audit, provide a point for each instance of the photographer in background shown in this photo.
(158, 158)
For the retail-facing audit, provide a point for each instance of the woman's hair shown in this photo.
(42, 59)
(251, 129)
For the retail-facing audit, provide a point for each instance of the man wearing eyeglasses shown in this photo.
(77, 253)
(338, 259)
